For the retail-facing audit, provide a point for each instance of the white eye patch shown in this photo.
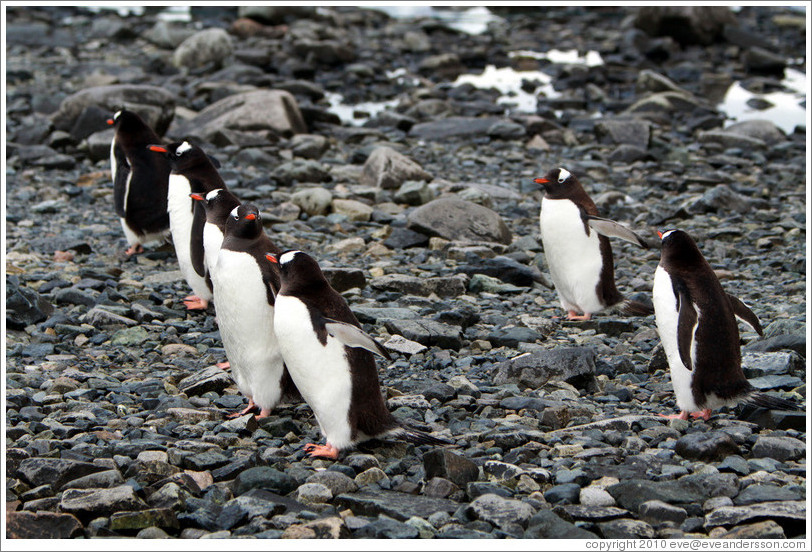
(287, 257)
(212, 194)
(668, 233)
(117, 115)
(234, 212)
(183, 148)
(563, 174)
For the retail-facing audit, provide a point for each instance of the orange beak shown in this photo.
(197, 197)
(159, 149)
(250, 216)
(110, 121)
(271, 257)
(660, 234)
(541, 180)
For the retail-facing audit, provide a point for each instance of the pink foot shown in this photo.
(321, 451)
(704, 414)
(572, 315)
(681, 416)
(251, 406)
(223, 365)
(134, 249)
(263, 413)
(193, 302)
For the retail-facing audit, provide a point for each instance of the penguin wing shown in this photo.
(121, 175)
(196, 246)
(353, 336)
(612, 229)
(686, 324)
(743, 312)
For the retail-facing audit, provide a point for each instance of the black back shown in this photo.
(145, 211)
(302, 278)
(717, 367)
(560, 186)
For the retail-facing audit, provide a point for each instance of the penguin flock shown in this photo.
(288, 335)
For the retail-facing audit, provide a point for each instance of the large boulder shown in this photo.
(459, 220)
(86, 111)
(209, 46)
(574, 365)
(274, 111)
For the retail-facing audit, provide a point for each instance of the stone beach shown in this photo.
(424, 215)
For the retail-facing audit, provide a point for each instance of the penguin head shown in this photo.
(678, 246)
(125, 118)
(297, 266)
(182, 156)
(558, 182)
(244, 221)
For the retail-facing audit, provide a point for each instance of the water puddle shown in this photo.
(472, 21)
(785, 110)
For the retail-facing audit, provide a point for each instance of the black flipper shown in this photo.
(685, 328)
(743, 312)
(197, 250)
(612, 229)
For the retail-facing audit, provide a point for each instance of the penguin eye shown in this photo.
(561, 179)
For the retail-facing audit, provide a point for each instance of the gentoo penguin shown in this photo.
(192, 171)
(577, 249)
(696, 321)
(218, 205)
(330, 359)
(245, 283)
(140, 180)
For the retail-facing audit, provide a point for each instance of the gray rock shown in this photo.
(657, 512)
(262, 477)
(632, 493)
(488, 284)
(760, 530)
(55, 471)
(449, 465)
(779, 448)
(129, 337)
(595, 497)
(24, 306)
(453, 126)
(777, 343)
(388, 169)
(761, 60)
(507, 130)
(427, 332)
(708, 447)
(274, 15)
(666, 102)
(721, 199)
(302, 170)
(759, 129)
(352, 209)
(499, 511)
(313, 201)
(313, 493)
(630, 131)
(210, 379)
(129, 522)
(342, 279)
(400, 506)
(754, 494)
(98, 316)
(414, 285)
(309, 146)
(731, 139)
(456, 219)
(439, 487)
(209, 46)
(765, 383)
(737, 515)
(154, 104)
(336, 482)
(102, 479)
(166, 34)
(756, 364)
(414, 192)
(92, 503)
(651, 81)
(567, 493)
(274, 111)
(574, 365)
(685, 24)
(626, 529)
(547, 525)
(385, 528)
(403, 238)
(400, 344)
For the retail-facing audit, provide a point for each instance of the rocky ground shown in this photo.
(115, 414)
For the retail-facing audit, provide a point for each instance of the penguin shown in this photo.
(577, 249)
(217, 204)
(192, 171)
(140, 181)
(245, 284)
(696, 321)
(330, 359)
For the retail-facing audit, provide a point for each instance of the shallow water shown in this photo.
(786, 111)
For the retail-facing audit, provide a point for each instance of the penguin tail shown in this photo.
(417, 437)
(635, 308)
(771, 402)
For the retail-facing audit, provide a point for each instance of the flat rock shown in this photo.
(456, 219)
(92, 503)
(427, 332)
(630, 131)
(400, 506)
(41, 525)
(736, 515)
(55, 471)
(413, 285)
(547, 525)
(400, 344)
(449, 465)
(626, 529)
(388, 169)
(574, 365)
(707, 447)
(209, 46)
(779, 448)
(452, 127)
(209, 379)
(499, 511)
